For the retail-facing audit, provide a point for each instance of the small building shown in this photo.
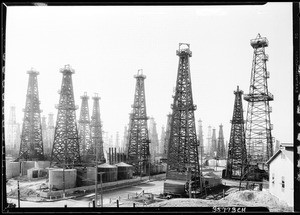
(281, 174)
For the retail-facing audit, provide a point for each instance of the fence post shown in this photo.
(117, 203)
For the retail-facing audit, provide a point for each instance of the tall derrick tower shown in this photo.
(162, 139)
(167, 136)
(221, 146)
(213, 148)
(125, 140)
(182, 160)
(31, 146)
(84, 126)
(65, 150)
(209, 141)
(153, 136)
(258, 136)
(44, 133)
(11, 128)
(50, 131)
(237, 155)
(138, 148)
(200, 137)
(96, 132)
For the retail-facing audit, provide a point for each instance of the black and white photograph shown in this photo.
(147, 107)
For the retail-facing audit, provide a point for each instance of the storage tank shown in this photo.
(42, 164)
(125, 171)
(110, 172)
(26, 165)
(164, 167)
(12, 169)
(159, 168)
(56, 178)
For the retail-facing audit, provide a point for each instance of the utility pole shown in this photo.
(96, 174)
(18, 195)
(101, 173)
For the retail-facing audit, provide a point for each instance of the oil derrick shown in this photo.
(237, 155)
(31, 146)
(12, 132)
(153, 136)
(125, 140)
(200, 138)
(221, 146)
(259, 141)
(96, 132)
(209, 141)
(167, 136)
(138, 148)
(44, 134)
(117, 143)
(50, 131)
(161, 141)
(213, 147)
(84, 127)
(182, 159)
(65, 149)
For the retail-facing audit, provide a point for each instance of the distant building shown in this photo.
(281, 174)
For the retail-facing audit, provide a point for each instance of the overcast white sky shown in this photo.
(106, 45)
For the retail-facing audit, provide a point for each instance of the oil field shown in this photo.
(79, 158)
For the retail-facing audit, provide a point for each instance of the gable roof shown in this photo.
(288, 151)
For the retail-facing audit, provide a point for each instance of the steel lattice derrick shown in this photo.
(153, 136)
(138, 148)
(200, 137)
(65, 150)
(167, 136)
(209, 141)
(96, 133)
(13, 132)
(259, 140)
(31, 146)
(183, 147)
(221, 146)
(162, 139)
(237, 155)
(213, 148)
(84, 127)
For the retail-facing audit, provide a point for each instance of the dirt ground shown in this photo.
(239, 198)
(29, 189)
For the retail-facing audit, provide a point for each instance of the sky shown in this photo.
(107, 45)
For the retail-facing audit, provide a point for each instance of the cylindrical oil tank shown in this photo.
(164, 167)
(57, 181)
(125, 171)
(26, 165)
(12, 169)
(159, 166)
(110, 172)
